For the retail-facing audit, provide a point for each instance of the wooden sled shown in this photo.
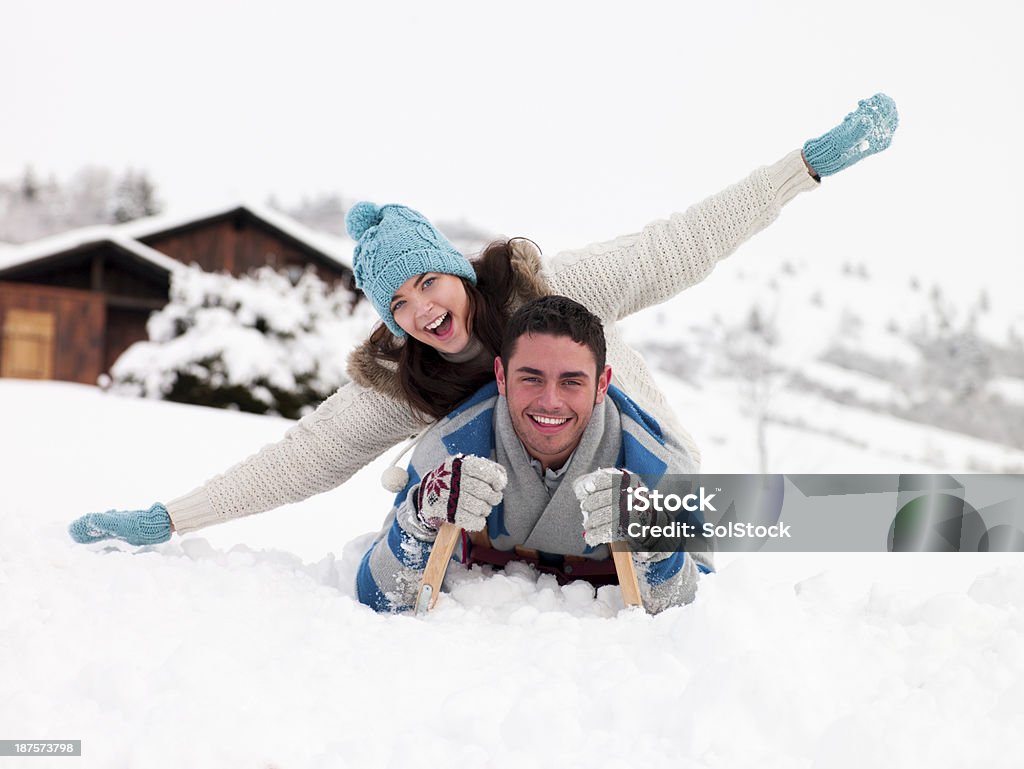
(448, 537)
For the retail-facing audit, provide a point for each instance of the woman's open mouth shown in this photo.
(441, 327)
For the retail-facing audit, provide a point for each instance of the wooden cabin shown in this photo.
(72, 303)
(244, 238)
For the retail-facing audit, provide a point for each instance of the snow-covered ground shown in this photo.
(242, 645)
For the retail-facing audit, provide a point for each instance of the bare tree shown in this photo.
(748, 352)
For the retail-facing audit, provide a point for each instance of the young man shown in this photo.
(533, 468)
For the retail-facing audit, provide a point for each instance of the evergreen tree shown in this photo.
(256, 343)
(29, 185)
(135, 197)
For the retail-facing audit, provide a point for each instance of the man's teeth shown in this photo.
(436, 323)
(551, 420)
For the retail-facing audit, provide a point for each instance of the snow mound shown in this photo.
(242, 645)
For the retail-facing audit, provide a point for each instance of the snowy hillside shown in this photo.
(832, 343)
(241, 645)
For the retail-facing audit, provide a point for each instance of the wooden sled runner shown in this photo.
(448, 537)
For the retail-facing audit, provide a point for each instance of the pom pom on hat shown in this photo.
(361, 217)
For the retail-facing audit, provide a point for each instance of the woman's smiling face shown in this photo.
(433, 308)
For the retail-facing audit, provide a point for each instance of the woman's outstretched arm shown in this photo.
(347, 431)
(323, 450)
(622, 276)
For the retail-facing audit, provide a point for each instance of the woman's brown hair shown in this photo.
(433, 385)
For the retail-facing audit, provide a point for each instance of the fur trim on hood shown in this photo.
(528, 284)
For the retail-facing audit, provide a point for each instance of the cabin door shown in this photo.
(29, 341)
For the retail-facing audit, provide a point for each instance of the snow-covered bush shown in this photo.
(255, 343)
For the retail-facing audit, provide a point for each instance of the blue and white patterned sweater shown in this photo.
(619, 434)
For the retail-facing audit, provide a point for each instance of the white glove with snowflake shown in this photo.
(462, 490)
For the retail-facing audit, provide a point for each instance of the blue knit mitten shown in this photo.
(865, 131)
(136, 527)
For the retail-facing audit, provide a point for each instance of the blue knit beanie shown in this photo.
(394, 243)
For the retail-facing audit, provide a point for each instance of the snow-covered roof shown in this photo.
(338, 249)
(37, 250)
(128, 236)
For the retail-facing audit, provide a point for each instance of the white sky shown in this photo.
(568, 122)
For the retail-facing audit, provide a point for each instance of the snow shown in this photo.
(337, 248)
(85, 236)
(811, 434)
(922, 350)
(242, 645)
(1010, 389)
(129, 234)
(868, 387)
(261, 330)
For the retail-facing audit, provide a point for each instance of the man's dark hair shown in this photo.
(555, 316)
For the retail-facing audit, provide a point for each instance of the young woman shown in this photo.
(442, 319)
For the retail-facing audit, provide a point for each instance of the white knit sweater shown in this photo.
(356, 424)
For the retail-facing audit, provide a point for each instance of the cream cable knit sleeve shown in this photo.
(619, 277)
(323, 450)
(355, 425)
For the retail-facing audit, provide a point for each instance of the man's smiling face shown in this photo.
(552, 385)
